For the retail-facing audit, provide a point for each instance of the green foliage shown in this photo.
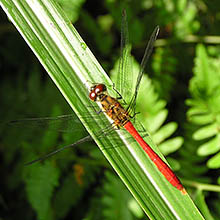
(116, 199)
(205, 105)
(178, 101)
(72, 8)
(200, 201)
(40, 183)
(164, 66)
(98, 32)
(179, 15)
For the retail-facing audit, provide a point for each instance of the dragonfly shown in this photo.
(120, 115)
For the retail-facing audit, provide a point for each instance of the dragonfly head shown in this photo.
(96, 91)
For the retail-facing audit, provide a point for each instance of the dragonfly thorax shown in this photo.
(110, 105)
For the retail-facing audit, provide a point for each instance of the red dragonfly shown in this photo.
(121, 116)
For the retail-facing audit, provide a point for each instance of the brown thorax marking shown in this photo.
(114, 110)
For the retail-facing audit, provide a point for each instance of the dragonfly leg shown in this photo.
(133, 116)
(119, 95)
(96, 109)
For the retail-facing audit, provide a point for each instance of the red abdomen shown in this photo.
(161, 165)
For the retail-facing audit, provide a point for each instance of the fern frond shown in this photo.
(205, 105)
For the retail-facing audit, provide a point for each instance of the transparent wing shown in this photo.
(124, 76)
(102, 134)
(82, 140)
(63, 123)
(147, 53)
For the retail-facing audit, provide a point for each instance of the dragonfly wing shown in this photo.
(82, 140)
(147, 53)
(125, 74)
(62, 123)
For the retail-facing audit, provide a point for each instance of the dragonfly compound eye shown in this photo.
(100, 88)
(93, 95)
(96, 91)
